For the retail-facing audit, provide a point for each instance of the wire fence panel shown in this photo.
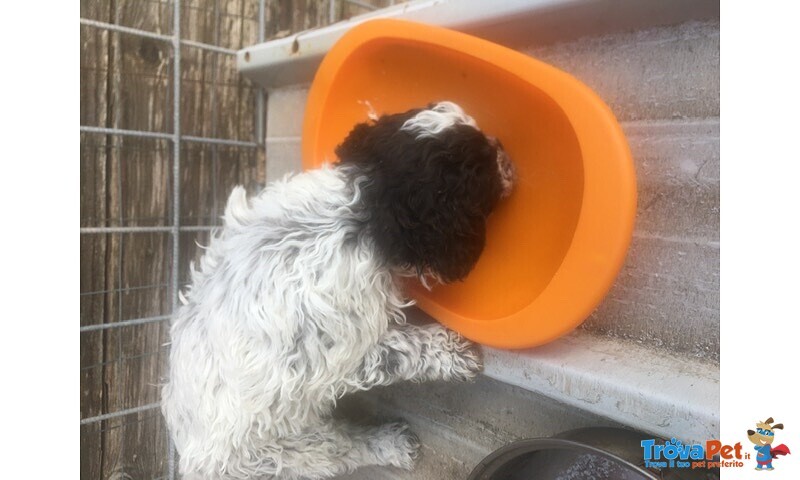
(167, 128)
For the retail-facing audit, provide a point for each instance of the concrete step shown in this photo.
(459, 424)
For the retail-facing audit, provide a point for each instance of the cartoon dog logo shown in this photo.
(763, 437)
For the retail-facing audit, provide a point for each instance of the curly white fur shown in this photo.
(290, 309)
(431, 122)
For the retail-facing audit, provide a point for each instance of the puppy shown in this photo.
(297, 300)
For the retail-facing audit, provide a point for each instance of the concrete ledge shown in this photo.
(460, 423)
(671, 397)
(514, 23)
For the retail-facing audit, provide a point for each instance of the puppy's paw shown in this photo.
(397, 445)
(467, 361)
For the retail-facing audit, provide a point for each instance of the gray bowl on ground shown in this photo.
(600, 453)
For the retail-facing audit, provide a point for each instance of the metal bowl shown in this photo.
(599, 453)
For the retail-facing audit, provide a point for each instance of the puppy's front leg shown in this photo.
(409, 352)
(337, 448)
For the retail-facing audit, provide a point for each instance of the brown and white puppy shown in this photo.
(297, 300)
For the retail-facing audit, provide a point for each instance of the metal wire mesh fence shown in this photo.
(168, 127)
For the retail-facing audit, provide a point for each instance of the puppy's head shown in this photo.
(429, 180)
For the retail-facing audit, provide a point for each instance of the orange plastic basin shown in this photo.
(555, 246)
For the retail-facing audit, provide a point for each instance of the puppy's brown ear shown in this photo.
(367, 142)
(769, 420)
(779, 426)
(355, 145)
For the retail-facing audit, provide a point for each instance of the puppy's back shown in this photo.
(283, 304)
